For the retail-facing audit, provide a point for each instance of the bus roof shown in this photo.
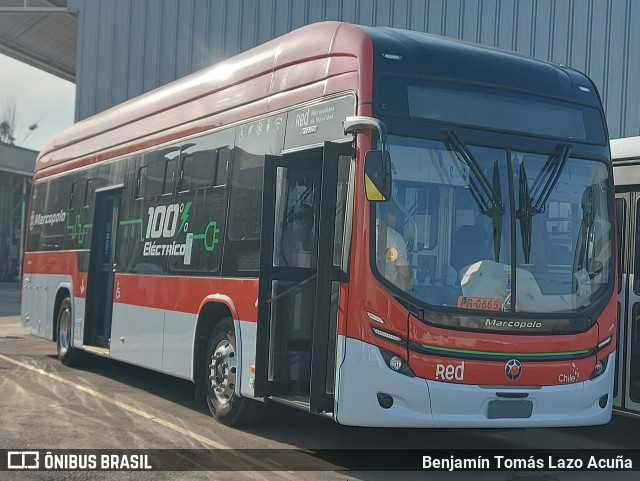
(265, 71)
(445, 58)
(257, 77)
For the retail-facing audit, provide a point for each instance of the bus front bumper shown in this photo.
(364, 379)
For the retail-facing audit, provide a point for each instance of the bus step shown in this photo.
(299, 402)
(100, 351)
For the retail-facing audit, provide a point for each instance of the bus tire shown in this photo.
(226, 405)
(68, 355)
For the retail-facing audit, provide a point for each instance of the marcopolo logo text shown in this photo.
(49, 219)
(513, 324)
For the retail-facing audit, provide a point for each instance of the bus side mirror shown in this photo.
(377, 175)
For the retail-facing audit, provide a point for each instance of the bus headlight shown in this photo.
(604, 343)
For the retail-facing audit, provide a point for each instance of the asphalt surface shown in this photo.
(110, 405)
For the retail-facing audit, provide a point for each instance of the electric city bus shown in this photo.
(384, 227)
(625, 154)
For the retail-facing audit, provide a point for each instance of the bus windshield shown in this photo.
(492, 229)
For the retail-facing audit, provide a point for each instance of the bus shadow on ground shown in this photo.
(164, 386)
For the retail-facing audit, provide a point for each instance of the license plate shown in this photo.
(481, 303)
(510, 409)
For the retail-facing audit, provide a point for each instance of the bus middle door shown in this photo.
(99, 303)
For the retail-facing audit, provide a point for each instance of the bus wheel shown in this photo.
(68, 355)
(227, 406)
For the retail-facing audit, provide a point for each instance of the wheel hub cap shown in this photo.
(222, 372)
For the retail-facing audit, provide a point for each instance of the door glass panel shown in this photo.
(621, 215)
(340, 236)
(636, 255)
(292, 310)
(634, 356)
(296, 228)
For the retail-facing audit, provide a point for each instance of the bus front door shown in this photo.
(99, 303)
(301, 268)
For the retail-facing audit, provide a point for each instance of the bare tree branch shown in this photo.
(9, 123)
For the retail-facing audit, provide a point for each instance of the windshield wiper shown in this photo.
(534, 202)
(486, 196)
(525, 214)
(549, 175)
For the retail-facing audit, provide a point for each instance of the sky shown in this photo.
(39, 98)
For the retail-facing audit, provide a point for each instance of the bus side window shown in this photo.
(198, 186)
(155, 175)
(39, 192)
(204, 169)
(84, 214)
(242, 239)
(133, 234)
(73, 234)
(53, 233)
(245, 204)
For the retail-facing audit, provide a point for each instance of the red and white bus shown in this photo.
(384, 227)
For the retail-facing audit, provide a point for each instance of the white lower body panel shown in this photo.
(422, 403)
(38, 302)
(137, 335)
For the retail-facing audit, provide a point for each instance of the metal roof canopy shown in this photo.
(17, 160)
(41, 33)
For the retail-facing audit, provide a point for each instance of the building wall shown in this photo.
(16, 168)
(127, 47)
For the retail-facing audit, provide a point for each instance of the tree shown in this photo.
(8, 125)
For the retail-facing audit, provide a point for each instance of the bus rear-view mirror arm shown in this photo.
(377, 163)
(360, 122)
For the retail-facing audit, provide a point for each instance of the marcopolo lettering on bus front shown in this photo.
(513, 324)
(167, 221)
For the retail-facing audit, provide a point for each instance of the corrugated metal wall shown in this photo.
(126, 47)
